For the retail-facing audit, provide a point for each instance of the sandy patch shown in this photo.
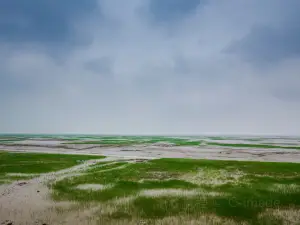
(30, 202)
(201, 219)
(284, 216)
(26, 204)
(215, 177)
(163, 144)
(167, 192)
(124, 200)
(209, 219)
(285, 188)
(178, 192)
(22, 174)
(40, 142)
(93, 187)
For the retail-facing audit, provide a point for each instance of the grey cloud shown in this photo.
(290, 94)
(272, 41)
(269, 45)
(170, 10)
(101, 66)
(47, 21)
(136, 77)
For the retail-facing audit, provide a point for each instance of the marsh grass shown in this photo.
(23, 166)
(163, 191)
(234, 190)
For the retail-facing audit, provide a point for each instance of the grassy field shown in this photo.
(215, 192)
(15, 166)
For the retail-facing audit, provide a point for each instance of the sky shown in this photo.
(150, 66)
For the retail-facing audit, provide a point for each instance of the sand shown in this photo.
(29, 202)
(92, 187)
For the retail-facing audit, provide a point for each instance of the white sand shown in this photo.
(93, 187)
(29, 203)
(168, 192)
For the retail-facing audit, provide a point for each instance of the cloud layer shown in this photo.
(150, 67)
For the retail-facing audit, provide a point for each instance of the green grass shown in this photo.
(38, 163)
(244, 189)
(11, 139)
(175, 141)
(105, 142)
(128, 141)
(251, 145)
(33, 163)
(126, 181)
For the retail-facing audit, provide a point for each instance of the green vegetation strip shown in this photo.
(125, 141)
(240, 145)
(35, 163)
(229, 189)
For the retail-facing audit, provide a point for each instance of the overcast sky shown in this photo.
(150, 66)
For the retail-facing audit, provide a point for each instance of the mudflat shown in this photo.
(270, 149)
